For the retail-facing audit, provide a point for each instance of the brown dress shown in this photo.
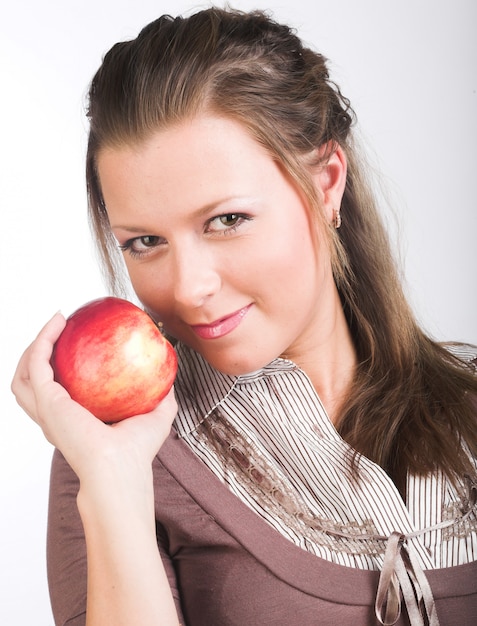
(227, 566)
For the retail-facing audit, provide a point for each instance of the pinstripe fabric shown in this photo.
(266, 435)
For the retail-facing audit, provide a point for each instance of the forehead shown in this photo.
(204, 128)
(197, 156)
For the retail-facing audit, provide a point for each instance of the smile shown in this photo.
(221, 327)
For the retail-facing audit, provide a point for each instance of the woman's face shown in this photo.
(218, 244)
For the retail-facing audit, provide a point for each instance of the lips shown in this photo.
(221, 327)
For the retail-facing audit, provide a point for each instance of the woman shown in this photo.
(321, 467)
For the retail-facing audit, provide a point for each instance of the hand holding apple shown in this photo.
(113, 360)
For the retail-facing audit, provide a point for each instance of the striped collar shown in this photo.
(194, 370)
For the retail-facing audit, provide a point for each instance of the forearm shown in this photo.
(127, 583)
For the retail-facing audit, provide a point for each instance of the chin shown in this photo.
(235, 356)
(238, 366)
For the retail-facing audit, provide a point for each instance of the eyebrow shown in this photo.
(135, 230)
(244, 201)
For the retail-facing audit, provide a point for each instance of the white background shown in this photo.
(409, 67)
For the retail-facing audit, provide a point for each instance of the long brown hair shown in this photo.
(411, 403)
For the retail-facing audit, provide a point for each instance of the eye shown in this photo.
(228, 222)
(140, 246)
(229, 219)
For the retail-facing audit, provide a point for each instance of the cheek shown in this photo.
(281, 263)
(297, 256)
(153, 292)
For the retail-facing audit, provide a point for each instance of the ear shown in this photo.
(330, 180)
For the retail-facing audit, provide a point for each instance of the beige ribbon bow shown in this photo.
(403, 575)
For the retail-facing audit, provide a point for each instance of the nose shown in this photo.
(196, 277)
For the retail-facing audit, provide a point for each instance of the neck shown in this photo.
(330, 363)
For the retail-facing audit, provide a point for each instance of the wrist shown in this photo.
(112, 490)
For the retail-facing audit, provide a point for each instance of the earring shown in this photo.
(336, 218)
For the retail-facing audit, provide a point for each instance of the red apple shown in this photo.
(112, 358)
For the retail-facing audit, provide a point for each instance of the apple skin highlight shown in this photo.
(113, 360)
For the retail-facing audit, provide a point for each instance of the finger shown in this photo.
(36, 357)
(46, 338)
(40, 370)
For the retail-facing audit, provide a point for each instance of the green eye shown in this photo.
(229, 219)
(140, 246)
(149, 240)
(226, 223)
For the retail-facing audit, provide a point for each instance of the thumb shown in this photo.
(150, 430)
